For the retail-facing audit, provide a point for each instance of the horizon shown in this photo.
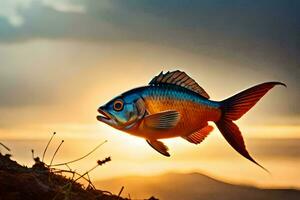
(214, 158)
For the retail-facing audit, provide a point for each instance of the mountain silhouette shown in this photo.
(193, 186)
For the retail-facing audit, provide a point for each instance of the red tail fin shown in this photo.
(234, 108)
(237, 105)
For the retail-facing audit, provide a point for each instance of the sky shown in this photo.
(61, 59)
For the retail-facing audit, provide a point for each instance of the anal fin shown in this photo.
(198, 136)
(159, 147)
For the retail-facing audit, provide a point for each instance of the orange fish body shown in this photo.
(193, 117)
(174, 105)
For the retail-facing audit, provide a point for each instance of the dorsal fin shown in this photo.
(181, 79)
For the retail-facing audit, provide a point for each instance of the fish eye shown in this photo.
(118, 105)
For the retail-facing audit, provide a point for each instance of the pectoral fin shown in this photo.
(198, 136)
(162, 120)
(159, 146)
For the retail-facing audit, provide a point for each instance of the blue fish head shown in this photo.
(122, 112)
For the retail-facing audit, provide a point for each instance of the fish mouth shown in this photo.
(104, 117)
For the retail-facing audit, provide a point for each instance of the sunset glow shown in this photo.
(60, 61)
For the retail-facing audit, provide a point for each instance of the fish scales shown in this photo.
(194, 110)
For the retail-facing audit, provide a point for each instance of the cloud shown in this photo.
(12, 9)
(212, 27)
(64, 5)
(266, 31)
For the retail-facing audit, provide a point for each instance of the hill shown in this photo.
(193, 186)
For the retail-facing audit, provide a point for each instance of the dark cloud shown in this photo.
(267, 30)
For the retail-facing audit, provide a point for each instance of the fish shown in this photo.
(175, 105)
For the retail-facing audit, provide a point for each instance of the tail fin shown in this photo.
(234, 108)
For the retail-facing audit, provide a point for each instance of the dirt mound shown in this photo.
(40, 182)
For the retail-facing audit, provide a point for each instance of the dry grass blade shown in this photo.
(56, 152)
(120, 192)
(82, 156)
(45, 150)
(90, 182)
(99, 163)
(86, 173)
(8, 149)
(68, 167)
(32, 154)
